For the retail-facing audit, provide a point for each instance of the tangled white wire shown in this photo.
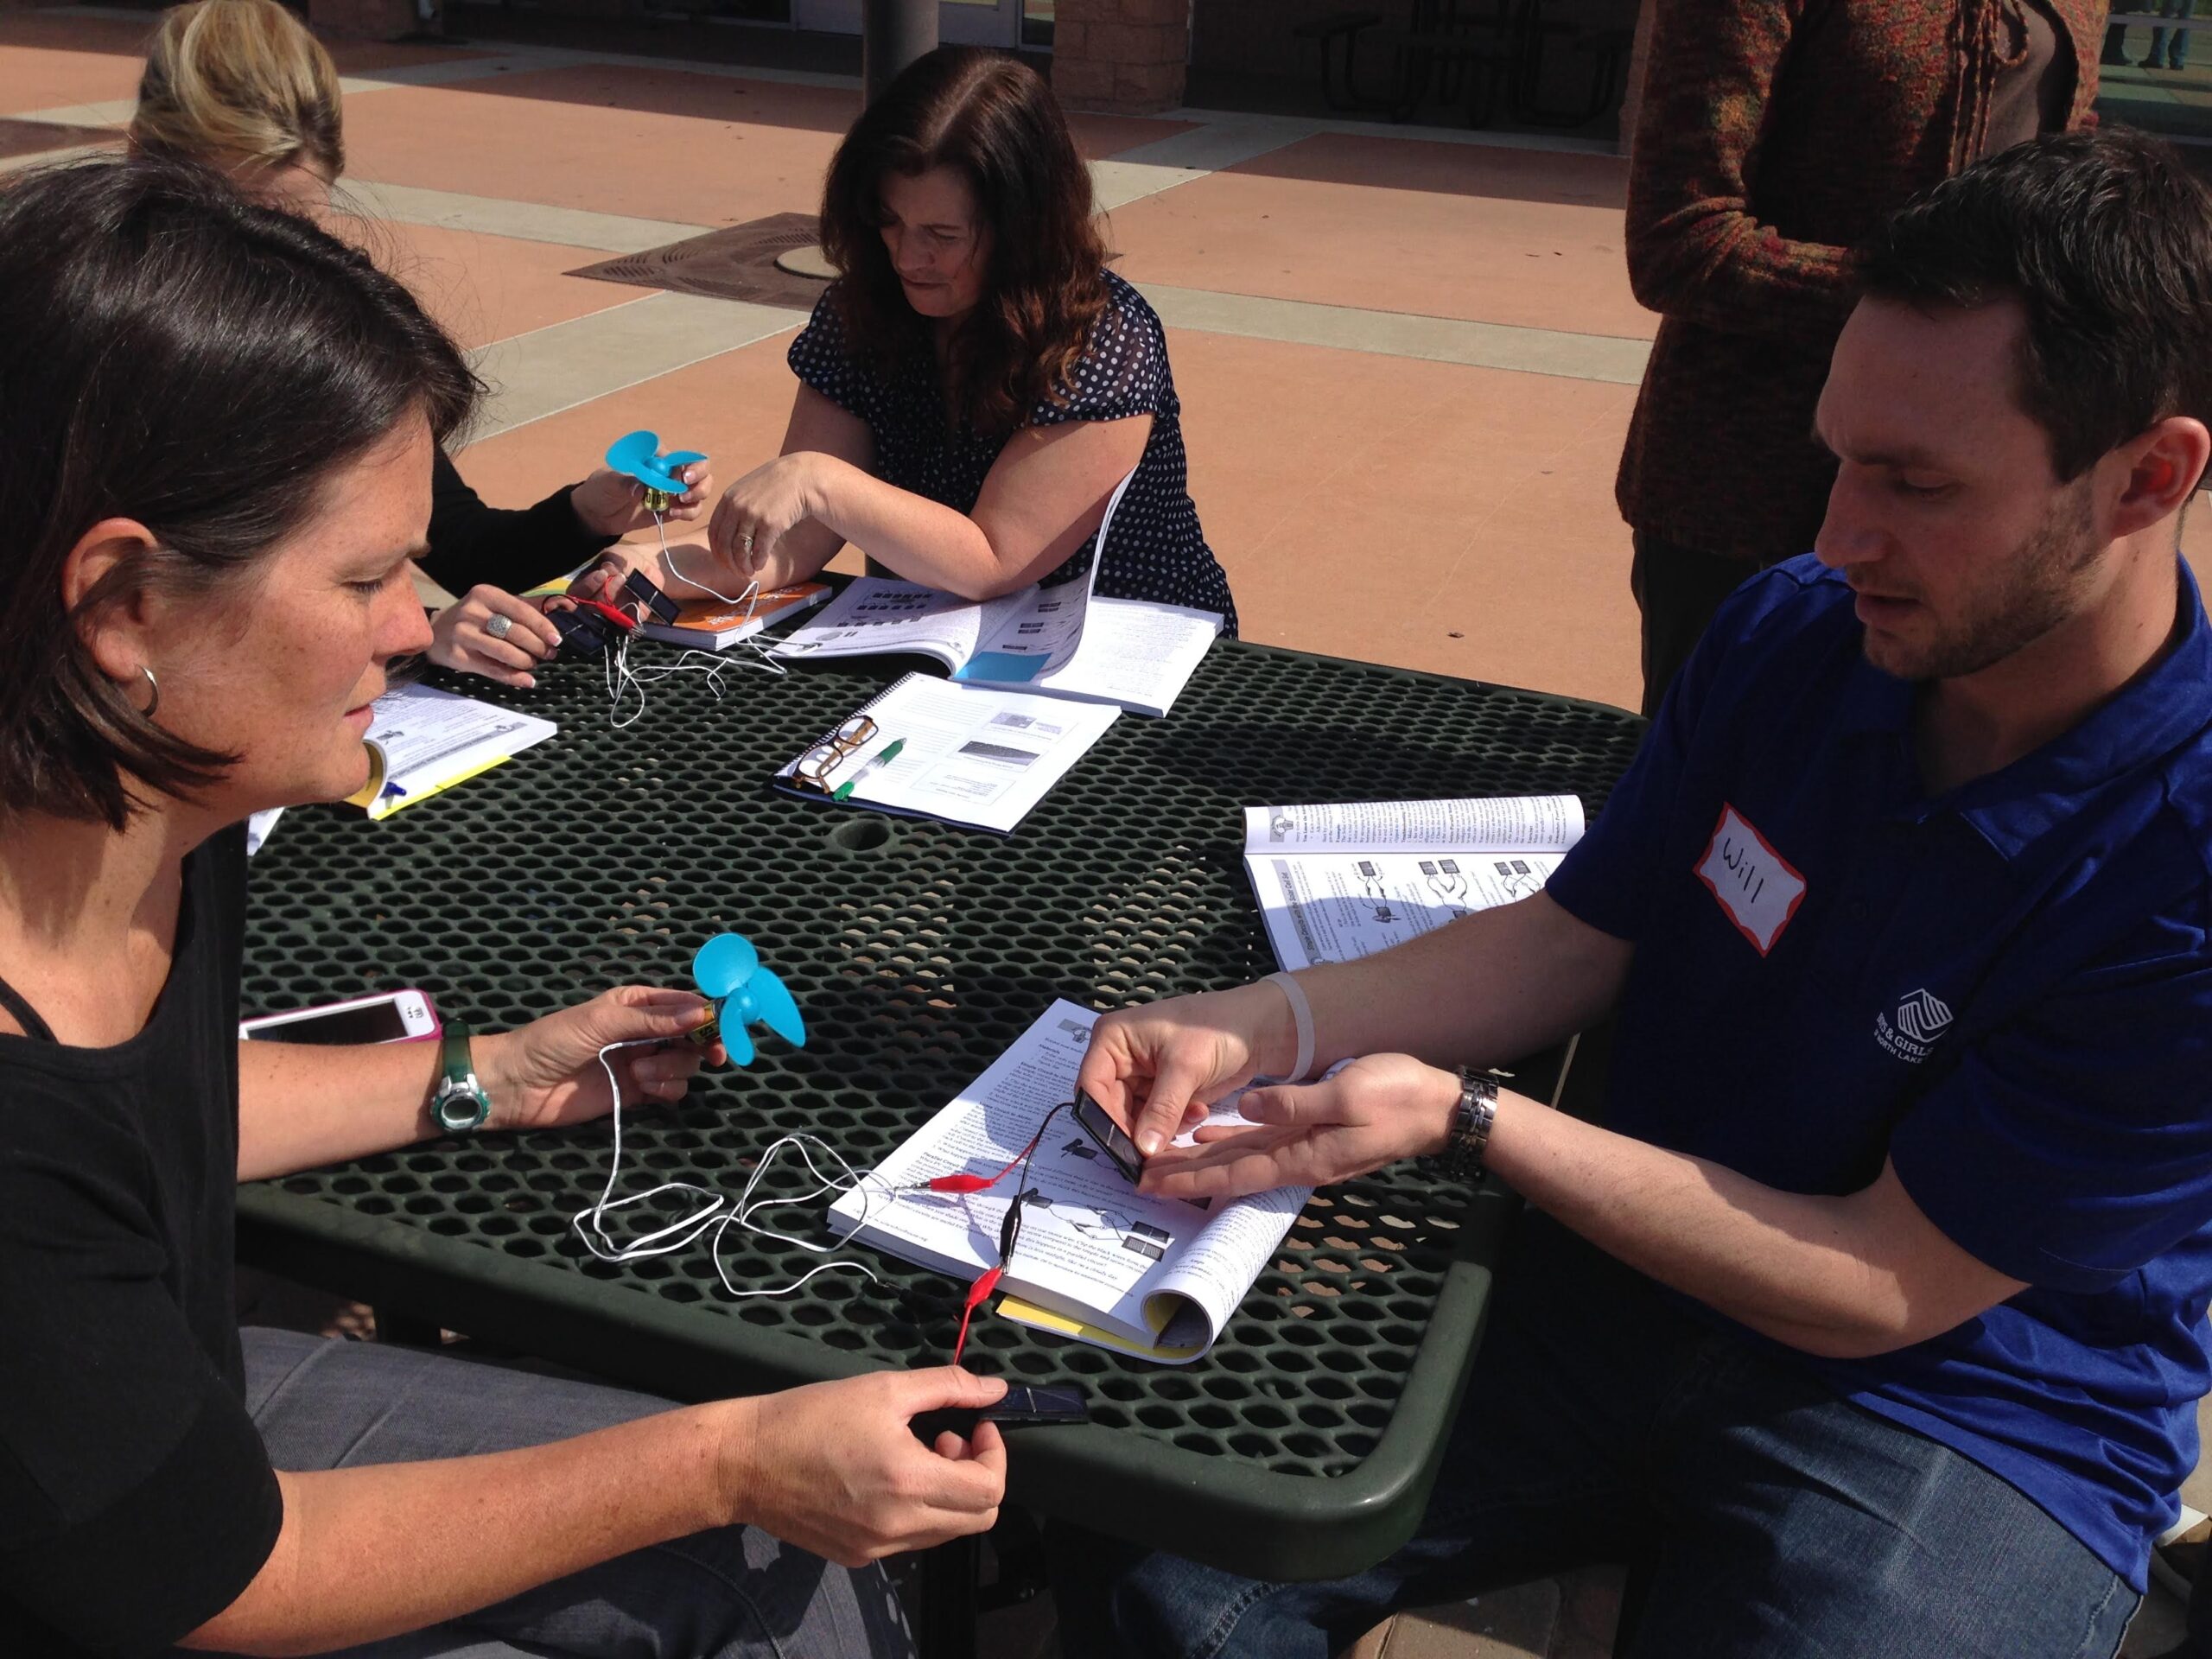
(623, 680)
(712, 1219)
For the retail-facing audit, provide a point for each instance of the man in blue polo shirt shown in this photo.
(1876, 1313)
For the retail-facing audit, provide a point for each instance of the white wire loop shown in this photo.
(624, 681)
(712, 1218)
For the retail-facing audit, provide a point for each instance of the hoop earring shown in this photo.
(153, 691)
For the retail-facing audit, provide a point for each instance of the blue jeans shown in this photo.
(736, 1593)
(1606, 1422)
(2172, 44)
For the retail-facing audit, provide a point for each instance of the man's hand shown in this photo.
(609, 503)
(1156, 1068)
(547, 1073)
(835, 1469)
(460, 637)
(1373, 1112)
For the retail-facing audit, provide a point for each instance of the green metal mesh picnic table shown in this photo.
(1302, 1446)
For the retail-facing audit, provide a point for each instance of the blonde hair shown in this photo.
(232, 80)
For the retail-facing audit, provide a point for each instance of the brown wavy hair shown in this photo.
(991, 118)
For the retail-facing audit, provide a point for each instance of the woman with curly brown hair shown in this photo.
(977, 383)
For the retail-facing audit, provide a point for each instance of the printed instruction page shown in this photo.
(1010, 640)
(876, 614)
(1137, 654)
(1336, 882)
(970, 754)
(426, 735)
(1091, 1247)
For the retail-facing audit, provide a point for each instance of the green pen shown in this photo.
(883, 757)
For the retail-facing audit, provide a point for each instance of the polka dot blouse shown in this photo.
(1155, 549)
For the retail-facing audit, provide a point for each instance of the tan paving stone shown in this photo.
(706, 149)
(488, 288)
(709, 149)
(54, 58)
(49, 58)
(1519, 237)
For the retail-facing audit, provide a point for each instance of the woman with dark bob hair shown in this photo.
(975, 384)
(218, 426)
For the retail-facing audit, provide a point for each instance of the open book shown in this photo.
(1062, 640)
(421, 741)
(1341, 881)
(960, 752)
(1158, 1278)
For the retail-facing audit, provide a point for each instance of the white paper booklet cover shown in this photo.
(1096, 1260)
(1338, 882)
(421, 741)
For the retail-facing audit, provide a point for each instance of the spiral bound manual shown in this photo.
(932, 748)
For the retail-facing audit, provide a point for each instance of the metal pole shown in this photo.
(894, 33)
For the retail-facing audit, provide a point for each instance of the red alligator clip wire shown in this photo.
(620, 618)
(962, 1183)
(978, 1293)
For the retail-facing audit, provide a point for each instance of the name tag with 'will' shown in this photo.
(1755, 883)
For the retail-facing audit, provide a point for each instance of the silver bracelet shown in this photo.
(1465, 1153)
(1301, 1015)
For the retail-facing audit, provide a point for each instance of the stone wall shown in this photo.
(1123, 55)
(369, 20)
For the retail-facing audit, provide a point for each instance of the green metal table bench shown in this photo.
(1302, 1447)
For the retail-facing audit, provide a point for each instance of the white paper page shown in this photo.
(1137, 654)
(1094, 1248)
(1041, 633)
(1094, 1243)
(428, 735)
(258, 827)
(876, 615)
(1339, 906)
(1028, 634)
(1540, 823)
(1215, 1270)
(971, 754)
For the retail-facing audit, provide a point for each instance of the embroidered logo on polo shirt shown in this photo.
(1755, 885)
(1921, 1018)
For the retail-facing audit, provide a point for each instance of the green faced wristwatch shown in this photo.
(459, 1104)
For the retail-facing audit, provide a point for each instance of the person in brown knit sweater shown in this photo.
(1775, 136)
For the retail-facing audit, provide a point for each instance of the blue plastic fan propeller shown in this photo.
(637, 454)
(729, 973)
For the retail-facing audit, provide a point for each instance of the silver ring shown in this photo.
(749, 541)
(500, 626)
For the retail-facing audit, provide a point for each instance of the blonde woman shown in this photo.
(242, 86)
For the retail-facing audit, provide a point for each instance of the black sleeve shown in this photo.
(821, 357)
(136, 1499)
(472, 542)
(1122, 371)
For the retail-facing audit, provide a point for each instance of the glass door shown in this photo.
(961, 23)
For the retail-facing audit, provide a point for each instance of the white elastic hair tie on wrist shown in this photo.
(1302, 1015)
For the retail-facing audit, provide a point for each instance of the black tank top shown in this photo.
(135, 1501)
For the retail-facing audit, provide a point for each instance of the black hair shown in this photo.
(2105, 240)
(171, 353)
